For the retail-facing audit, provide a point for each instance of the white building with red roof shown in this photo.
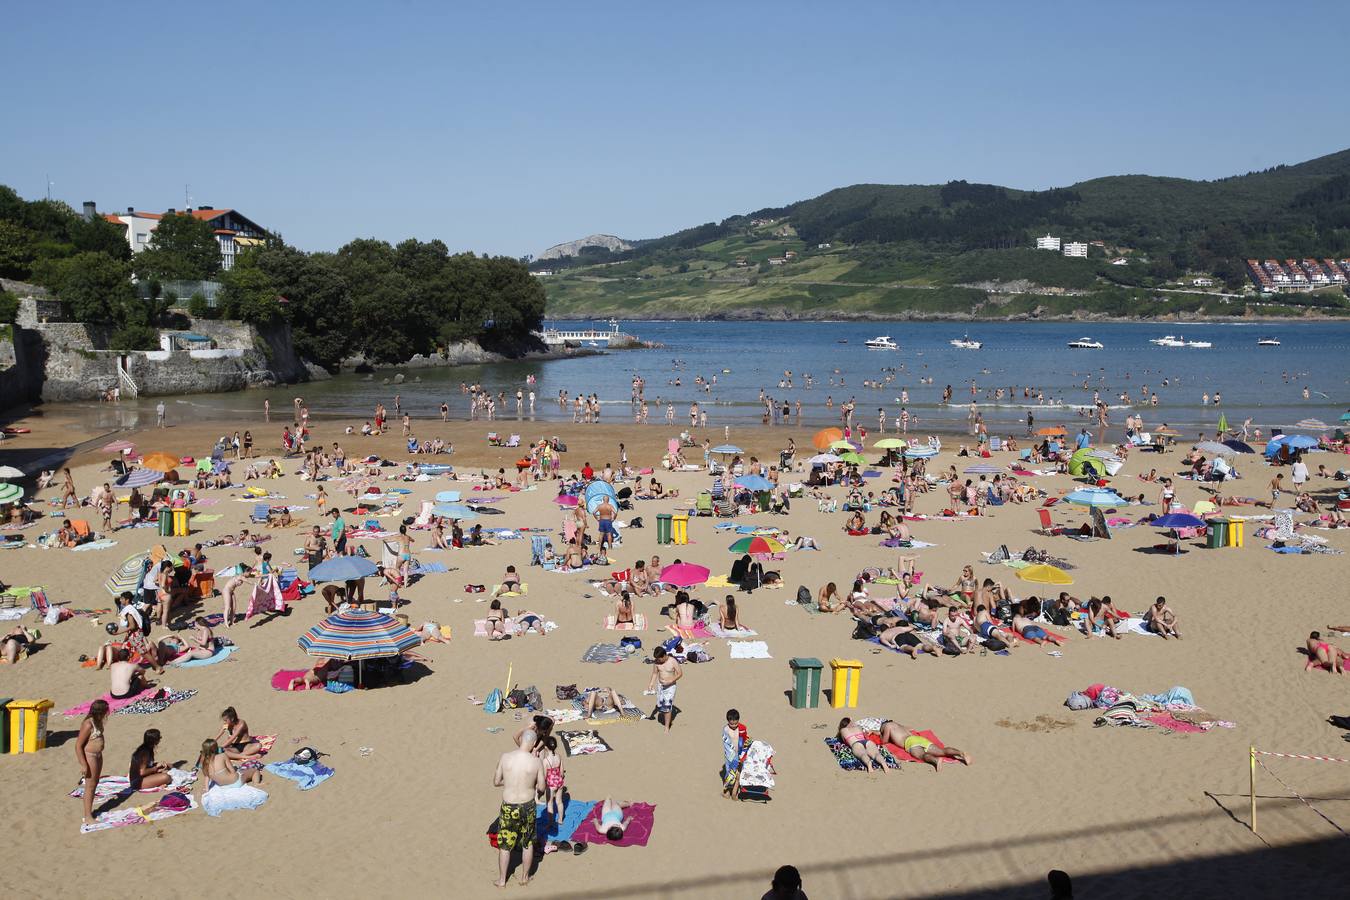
(234, 231)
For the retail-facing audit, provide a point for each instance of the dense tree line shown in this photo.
(384, 302)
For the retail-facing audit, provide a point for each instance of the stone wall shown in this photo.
(20, 366)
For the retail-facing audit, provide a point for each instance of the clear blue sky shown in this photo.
(506, 127)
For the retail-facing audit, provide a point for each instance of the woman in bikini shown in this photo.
(238, 744)
(145, 773)
(201, 643)
(729, 616)
(89, 753)
(496, 621)
(866, 752)
(623, 610)
(228, 787)
(1325, 655)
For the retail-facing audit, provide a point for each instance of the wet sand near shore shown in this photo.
(1128, 812)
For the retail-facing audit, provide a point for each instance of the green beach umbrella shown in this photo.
(890, 444)
(851, 457)
(1223, 422)
(10, 493)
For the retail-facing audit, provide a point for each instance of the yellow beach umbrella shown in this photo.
(890, 444)
(1044, 574)
(160, 462)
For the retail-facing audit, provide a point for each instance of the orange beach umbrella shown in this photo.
(160, 462)
(825, 437)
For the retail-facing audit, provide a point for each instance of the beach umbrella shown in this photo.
(983, 469)
(821, 459)
(1095, 497)
(726, 449)
(1051, 431)
(453, 511)
(923, 452)
(1215, 448)
(1345, 417)
(139, 478)
(9, 472)
(842, 444)
(852, 457)
(118, 446)
(357, 634)
(10, 493)
(1313, 425)
(684, 575)
(342, 568)
(447, 497)
(757, 544)
(1043, 573)
(823, 438)
(160, 462)
(1173, 522)
(754, 483)
(890, 444)
(127, 576)
(673, 445)
(1223, 422)
(1298, 441)
(566, 499)
(1239, 446)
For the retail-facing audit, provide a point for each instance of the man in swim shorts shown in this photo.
(520, 775)
(604, 514)
(918, 746)
(666, 673)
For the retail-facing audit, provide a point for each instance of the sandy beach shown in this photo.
(1128, 812)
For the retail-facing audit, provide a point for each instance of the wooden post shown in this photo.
(1252, 787)
(512, 666)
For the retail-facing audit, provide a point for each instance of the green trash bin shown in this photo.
(806, 682)
(1216, 536)
(663, 521)
(165, 522)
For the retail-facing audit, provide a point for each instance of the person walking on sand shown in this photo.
(159, 414)
(666, 673)
(520, 775)
(89, 754)
(68, 493)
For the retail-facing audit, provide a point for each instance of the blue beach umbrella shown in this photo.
(453, 511)
(447, 497)
(1095, 497)
(342, 568)
(1239, 446)
(1175, 521)
(140, 478)
(726, 449)
(754, 483)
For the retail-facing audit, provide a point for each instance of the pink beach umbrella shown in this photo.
(684, 575)
(566, 499)
(118, 446)
(673, 445)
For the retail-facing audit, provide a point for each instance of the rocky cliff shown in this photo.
(572, 248)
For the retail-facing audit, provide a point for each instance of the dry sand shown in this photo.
(1127, 812)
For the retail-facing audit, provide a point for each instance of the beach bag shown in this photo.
(863, 631)
(1078, 700)
(516, 699)
(493, 703)
(636, 523)
(175, 801)
(630, 641)
(566, 692)
(304, 756)
(804, 595)
(532, 698)
(994, 645)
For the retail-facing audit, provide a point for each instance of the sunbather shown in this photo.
(828, 599)
(611, 820)
(16, 643)
(602, 699)
(1324, 655)
(234, 738)
(918, 746)
(904, 638)
(623, 609)
(957, 638)
(1160, 619)
(986, 628)
(1030, 630)
(1102, 616)
(867, 753)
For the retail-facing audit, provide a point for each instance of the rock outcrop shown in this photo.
(572, 248)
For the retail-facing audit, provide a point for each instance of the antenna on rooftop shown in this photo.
(49, 188)
(187, 197)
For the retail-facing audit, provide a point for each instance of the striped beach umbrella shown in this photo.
(756, 544)
(8, 473)
(127, 576)
(139, 478)
(921, 452)
(118, 446)
(10, 493)
(1313, 425)
(353, 634)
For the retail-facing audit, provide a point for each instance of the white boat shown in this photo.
(883, 342)
(1200, 344)
(1168, 341)
(1085, 344)
(1268, 342)
(965, 343)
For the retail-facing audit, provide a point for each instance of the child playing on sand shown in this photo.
(735, 738)
(554, 803)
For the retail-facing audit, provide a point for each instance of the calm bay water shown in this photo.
(1263, 383)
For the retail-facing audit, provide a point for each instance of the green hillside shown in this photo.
(965, 249)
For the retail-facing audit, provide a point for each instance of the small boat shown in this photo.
(1200, 344)
(842, 341)
(1268, 342)
(965, 343)
(1085, 344)
(1167, 341)
(882, 342)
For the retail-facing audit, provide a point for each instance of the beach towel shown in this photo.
(306, 776)
(157, 702)
(639, 623)
(719, 631)
(899, 752)
(636, 835)
(584, 743)
(208, 517)
(574, 813)
(284, 677)
(718, 581)
(220, 656)
(113, 705)
(749, 650)
(698, 632)
(111, 786)
(604, 653)
(119, 818)
(430, 568)
(102, 544)
(850, 763)
(265, 744)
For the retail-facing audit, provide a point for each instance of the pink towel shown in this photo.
(282, 679)
(636, 835)
(113, 705)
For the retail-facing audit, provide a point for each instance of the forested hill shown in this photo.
(927, 235)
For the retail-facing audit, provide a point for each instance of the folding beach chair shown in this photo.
(1047, 527)
(537, 542)
(494, 439)
(703, 504)
(259, 513)
(513, 441)
(995, 443)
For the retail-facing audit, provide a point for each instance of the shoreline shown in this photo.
(762, 315)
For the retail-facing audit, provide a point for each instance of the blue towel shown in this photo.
(305, 775)
(429, 568)
(220, 656)
(1177, 694)
(574, 814)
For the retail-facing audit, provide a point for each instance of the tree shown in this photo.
(319, 304)
(17, 251)
(94, 286)
(182, 248)
(249, 293)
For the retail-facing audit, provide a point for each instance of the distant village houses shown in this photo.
(1272, 276)
(1075, 248)
(1048, 242)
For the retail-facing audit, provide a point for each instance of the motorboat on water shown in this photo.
(1201, 344)
(1085, 344)
(1168, 341)
(882, 342)
(1268, 342)
(965, 343)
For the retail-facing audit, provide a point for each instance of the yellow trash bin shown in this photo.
(1235, 528)
(679, 529)
(180, 521)
(845, 675)
(28, 725)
